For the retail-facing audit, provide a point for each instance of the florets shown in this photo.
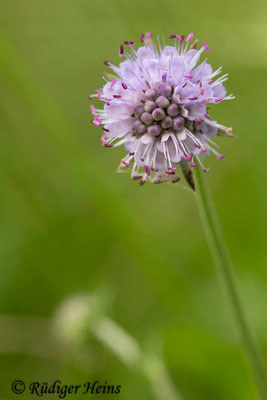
(157, 107)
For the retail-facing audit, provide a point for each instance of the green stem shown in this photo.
(228, 278)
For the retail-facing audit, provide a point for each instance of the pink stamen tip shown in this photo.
(192, 98)
(221, 156)
(148, 35)
(105, 129)
(210, 81)
(199, 120)
(147, 170)
(189, 158)
(116, 96)
(129, 43)
(154, 169)
(206, 100)
(168, 173)
(189, 37)
(206, 47)
(202, 91)
(193, 164)
(108, 145)
(96, 123)
(204, 150)
(125, 164)
(98, 94)
(142, 159)
(136, 177)
(142, 182)
(172, 36)
(98, 119)
(103, 139)
(107, 63)
(171, 169)
(113, 83)
(189, 76)
(180, 38)
(124, 85)
(121, 50)
(92, 109)
(207, 116)
(184, 85)
(219, 99)
(107, 99)
(131, 153)
(142, 37)
(205, 169)
(108, 104)
(198, 146)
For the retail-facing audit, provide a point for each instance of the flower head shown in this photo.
(157, 107)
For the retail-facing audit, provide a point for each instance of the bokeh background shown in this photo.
(72, 228)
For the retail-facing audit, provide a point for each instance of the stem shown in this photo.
(127, 349)
(223, 263)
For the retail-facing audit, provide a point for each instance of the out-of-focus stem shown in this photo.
(126, 348)
(223, 263)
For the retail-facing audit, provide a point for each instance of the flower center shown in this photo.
(159, 112)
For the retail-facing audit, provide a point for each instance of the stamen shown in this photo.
(207, 116)
(206, 100)
(192, 98)
(129, 43)
(206, 47)
(180, 38)
(219, 99)
(148, 35)
(96, 123)
(142, 37)
(189, 37)
(113, 83)
(194, 45)
(93, 110)
(189, 76)
(116, 96)
(121, 50)
(189, 158)
(127, 165)
(124, 85)
(221, 156)
(107, 63)
(147, 170)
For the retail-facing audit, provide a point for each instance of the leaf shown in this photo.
(188, 174)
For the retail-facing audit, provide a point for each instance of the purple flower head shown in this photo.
(157, 107)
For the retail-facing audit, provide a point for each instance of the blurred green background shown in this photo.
(70, 224)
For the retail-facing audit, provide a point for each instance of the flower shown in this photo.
(156, 106)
